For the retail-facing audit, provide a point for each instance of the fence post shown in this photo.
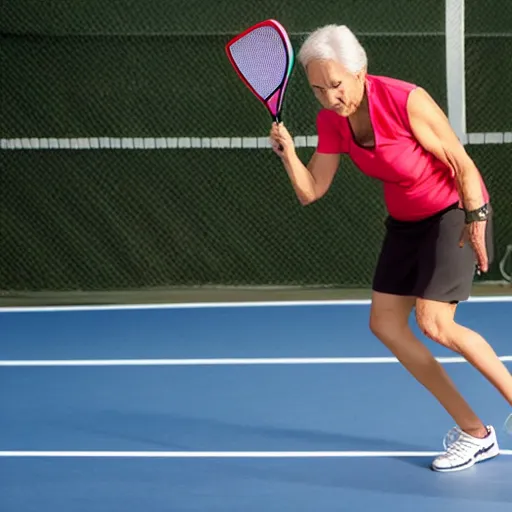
(455, 68)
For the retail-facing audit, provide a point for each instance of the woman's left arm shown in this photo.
(432, 129)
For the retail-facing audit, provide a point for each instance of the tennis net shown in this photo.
(133, 158)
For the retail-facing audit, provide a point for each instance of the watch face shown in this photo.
(478, 215)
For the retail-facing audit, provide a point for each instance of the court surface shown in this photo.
(230, 407)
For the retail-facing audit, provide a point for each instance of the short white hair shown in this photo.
(334, 42)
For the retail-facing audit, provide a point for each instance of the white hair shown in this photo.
(334, 42)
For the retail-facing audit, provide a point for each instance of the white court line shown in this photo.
(221, 361)
(227, 455)
(185, 305)
(234, 304)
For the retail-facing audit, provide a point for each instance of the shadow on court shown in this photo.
(172, 432)
(487, 482)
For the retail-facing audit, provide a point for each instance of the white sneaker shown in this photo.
(465, 451)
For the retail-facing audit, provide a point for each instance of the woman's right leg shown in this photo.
(389, 322)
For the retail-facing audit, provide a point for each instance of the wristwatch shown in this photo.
(479, 214)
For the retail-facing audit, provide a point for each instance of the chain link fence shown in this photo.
(173, 184)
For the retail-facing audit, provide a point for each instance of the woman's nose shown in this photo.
(332, 97)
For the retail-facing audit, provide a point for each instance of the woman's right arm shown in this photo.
(310, 182)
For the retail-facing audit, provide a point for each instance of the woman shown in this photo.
(394, 132)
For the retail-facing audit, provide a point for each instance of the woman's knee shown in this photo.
(436, 322)
(381, 325)
(377, 325)
(389, 315)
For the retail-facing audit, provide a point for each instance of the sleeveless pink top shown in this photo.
(416, 184)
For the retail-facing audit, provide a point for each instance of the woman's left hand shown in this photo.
(474, 233)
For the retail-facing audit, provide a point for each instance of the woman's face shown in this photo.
(335, 87)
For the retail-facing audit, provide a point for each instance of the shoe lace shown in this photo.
(452, 436)
(456, 442)
(460, 446)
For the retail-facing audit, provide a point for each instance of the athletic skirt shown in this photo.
(423, 258)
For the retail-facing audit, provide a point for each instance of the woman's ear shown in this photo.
(361, 75)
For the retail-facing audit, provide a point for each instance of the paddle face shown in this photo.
(263, 58)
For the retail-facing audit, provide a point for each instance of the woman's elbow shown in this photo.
(305, 200)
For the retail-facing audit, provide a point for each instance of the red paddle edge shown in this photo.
(282, 33)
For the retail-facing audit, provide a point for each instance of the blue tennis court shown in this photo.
(233, 407)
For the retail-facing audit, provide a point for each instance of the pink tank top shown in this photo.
(416, 184)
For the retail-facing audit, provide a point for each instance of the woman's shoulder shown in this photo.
(394, 85)
(392, 95)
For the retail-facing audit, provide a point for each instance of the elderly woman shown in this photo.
(438, 226)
